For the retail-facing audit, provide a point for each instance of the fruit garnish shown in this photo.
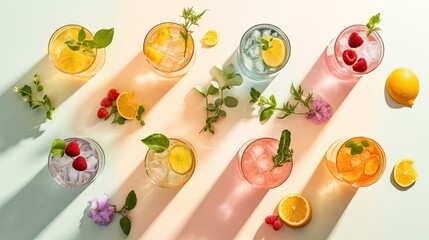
(277, 225)
(211, 38)
(72, 149)
(404, 173)
(180, 159)
(106, 102)
(371, 25)
(403, 86)
(355, 40)
(153, 55)
(191, 18)
(71, 61)
(102, 39)
(349, 56)
(356, 147)
(102, 113)
(79, 164)
(112, 94)
(275, 54)
(361, 65)
(127, 108)
(295, 210)
(284, 152)
(371, 166)
(271, 219)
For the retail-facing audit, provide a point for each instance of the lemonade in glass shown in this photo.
(79, 63)
(357, 161)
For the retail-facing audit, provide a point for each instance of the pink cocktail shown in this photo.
(256, 163)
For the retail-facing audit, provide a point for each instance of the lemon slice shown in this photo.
(404, 173)
(295, 210)
(71, 61)
(180, 159)
(211, 38)
(153, 55)
(275, 56)
(127, 108)
(371, 166)
(403, 86)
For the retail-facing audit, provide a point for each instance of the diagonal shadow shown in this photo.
(35, 206)
(225, 208)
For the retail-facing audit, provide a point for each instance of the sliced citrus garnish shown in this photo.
(127, 108)
(153, 55)
(163, 35)
(404, 173)
(180, 159)
(72, 61)
(276, 55)
(371, 166)
(211, 38)
(295, 210)
(351, 176)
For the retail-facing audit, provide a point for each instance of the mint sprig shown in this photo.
(157, 142)
(265, 44)
(102, 39)
(58, 147)
(215, 91)
(371, 25)
(191, 18)
(33, 99)
(125, 221)
(284, 152)
(357, 147)
(117, 118)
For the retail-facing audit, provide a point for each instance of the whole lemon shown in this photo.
(403, 86)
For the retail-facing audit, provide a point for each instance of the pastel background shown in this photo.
(215, 203)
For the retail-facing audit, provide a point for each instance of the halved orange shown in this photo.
(211, 38)
(295, 210)
(127, 108)
(404, 173)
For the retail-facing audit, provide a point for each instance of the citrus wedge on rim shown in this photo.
(127, 108)
(180, 159)
(404, 173)
(276, 55)
(295, 210)
(211, 38)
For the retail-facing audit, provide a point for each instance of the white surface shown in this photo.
(214, 204)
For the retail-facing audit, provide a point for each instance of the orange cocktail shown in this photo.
(359, 161)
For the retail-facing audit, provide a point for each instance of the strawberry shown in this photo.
(361, 65)
(355, 40)
(270, 219)
(112, 95)
(106, 102)
(277, 225)
(102, 113)
(79, 164)
(72, 149)
(349, 56)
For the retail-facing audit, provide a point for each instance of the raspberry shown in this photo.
(361, 65)
(270, 219)
(112, 95)
(102, 113)
(72, 149)
(355, 40)
(106, 102)
(277, 225)
(80, 164)
(349, 56)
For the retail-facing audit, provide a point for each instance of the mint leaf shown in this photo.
(103, 37)
(131, 200)
(211, 107)
(351, 144)
(229, 69)
(284, 152)
(371, 25)
(231, 102)
(89, 44)
(266, 114)
(215, 84)
(58, 147)
(364, 143)
(221, 113)
(125, 224)
(358, 149)
(82, 35)
(201, 90)
(235, 80)
(254, 93)
(157, 142)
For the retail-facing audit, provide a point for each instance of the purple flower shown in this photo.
(321, 111)
(101, 212)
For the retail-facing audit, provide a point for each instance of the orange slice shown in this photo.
(275, 56)
(181, 159)
(127, 108)
(72, 61)
(371, 166)
(295, 210)
(404, 173)
(211, 38)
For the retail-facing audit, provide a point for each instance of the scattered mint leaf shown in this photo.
(284, 152)
(231, 102)
(103, 37)
(266, 114)
(157, 142)
(125, 224)
(371, 25)
(58, 147)
(131, 200)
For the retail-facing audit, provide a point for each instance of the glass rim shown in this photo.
(192, 55)
(379, 39)
(65, 27)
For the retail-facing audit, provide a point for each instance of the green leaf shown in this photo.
(131, 200)
(89, 44)
(57, 148)
(119, 120)
(82, 35)
(266, 114)
(201, 90)
(26, 91)
(39, 88)
(220, 70)
(229, 69)
(351, 144)
(364, 143)
(72, 45)
(273, 101)
(212, 90)
(140, 111)
(221, 113)
(371, 25)
(231, 102)
(215, 84)
(254, 93)
(284, 142)
(218, 102)
(49, 114)
(103, 37)
(235, 80)
(125, 224)
(211, 107)
(142, 122)
(157, 142)
(358, 149)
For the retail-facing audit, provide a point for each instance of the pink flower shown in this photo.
(101, 212)
(321, 110)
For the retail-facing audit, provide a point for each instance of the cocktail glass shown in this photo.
(63, 172)
(164, 49)
(372, 50)
(357, 161)
(249, 57)
(256, 165)
(78, 63)
(159, 169)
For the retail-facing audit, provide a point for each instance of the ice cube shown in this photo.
(254, 51)
(256, 34)
(257, 150)
(266, 32)
(344, 42)
(248, 62)
(170, 63)
(175, 33)
(264, 163)
(247, 43)
(356, 162)
(259, 65)
(275, 34)
(373, 50)
(175, 179)
(158, 170)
